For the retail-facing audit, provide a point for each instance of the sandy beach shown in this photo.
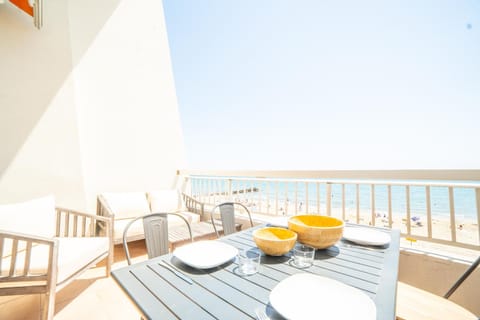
(466, 230)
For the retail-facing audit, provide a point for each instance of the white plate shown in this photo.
(366, 236)
(281, 222)
(205, 254)
(305, 296)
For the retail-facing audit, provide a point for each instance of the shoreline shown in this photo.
(466, 229)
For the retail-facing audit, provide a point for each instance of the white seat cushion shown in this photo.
(125, 205)
(73, 255)
(190, 216)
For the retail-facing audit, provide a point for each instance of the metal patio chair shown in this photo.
(227, 217)
(462, 278)
(155, 228)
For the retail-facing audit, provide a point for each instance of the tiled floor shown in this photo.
(91, 297)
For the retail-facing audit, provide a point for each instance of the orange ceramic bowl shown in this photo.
(317, 231)
(274, 241)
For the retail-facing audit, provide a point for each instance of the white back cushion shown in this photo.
(125, 205)
(35, 217)
(164, 201)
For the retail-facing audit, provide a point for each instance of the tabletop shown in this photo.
(223, 293)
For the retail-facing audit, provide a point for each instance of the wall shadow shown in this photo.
(36, 63)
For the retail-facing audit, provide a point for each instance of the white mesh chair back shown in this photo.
(155, 228)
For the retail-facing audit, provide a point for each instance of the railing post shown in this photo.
(184, 186)
(477, 198)
(429, 211)
(267, 196)
(296, 198)
(329, 198)
(230, 196)
(260, 197)
(318, 198)
(251, 195)
(306, 197)
(286, 198)
(407, 196)
(390, 218)
(372, 202)
(453, 226)
(276, 198)
(357, 201)
(209, 191)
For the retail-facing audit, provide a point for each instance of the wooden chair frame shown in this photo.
(104, 210)
(69, 223)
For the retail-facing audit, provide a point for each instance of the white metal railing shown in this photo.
(443, 209)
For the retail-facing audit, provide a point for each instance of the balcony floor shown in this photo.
(93, 296)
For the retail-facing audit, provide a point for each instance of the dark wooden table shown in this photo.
(221, 293)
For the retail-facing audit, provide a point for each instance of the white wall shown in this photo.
(87, 104)
(437, 275)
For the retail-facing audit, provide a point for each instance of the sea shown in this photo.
(258, 190)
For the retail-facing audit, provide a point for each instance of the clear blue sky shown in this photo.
(276, 84)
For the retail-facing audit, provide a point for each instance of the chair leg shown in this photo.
(48, 306)
(111, 253)
(108, 264)
(49, 303)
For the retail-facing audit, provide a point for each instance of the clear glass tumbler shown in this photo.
(248, 261)
(303, 255)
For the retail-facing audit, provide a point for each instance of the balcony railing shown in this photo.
(436, 206)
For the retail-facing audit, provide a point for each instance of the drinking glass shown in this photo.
(303, 255)
(248, 261)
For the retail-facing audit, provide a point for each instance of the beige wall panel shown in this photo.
(129, 122)
(437, 275)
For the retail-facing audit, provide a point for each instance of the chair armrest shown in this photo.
(71, 223)
(25, 237)
(21, 273)
(103, 209)
(194, 206)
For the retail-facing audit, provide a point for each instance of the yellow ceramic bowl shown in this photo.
(317, 231)
(274, 241)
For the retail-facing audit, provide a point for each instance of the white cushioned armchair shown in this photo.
(125, 206)
(43, 248)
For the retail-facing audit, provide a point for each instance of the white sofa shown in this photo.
(124, 206)
(44, 248)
